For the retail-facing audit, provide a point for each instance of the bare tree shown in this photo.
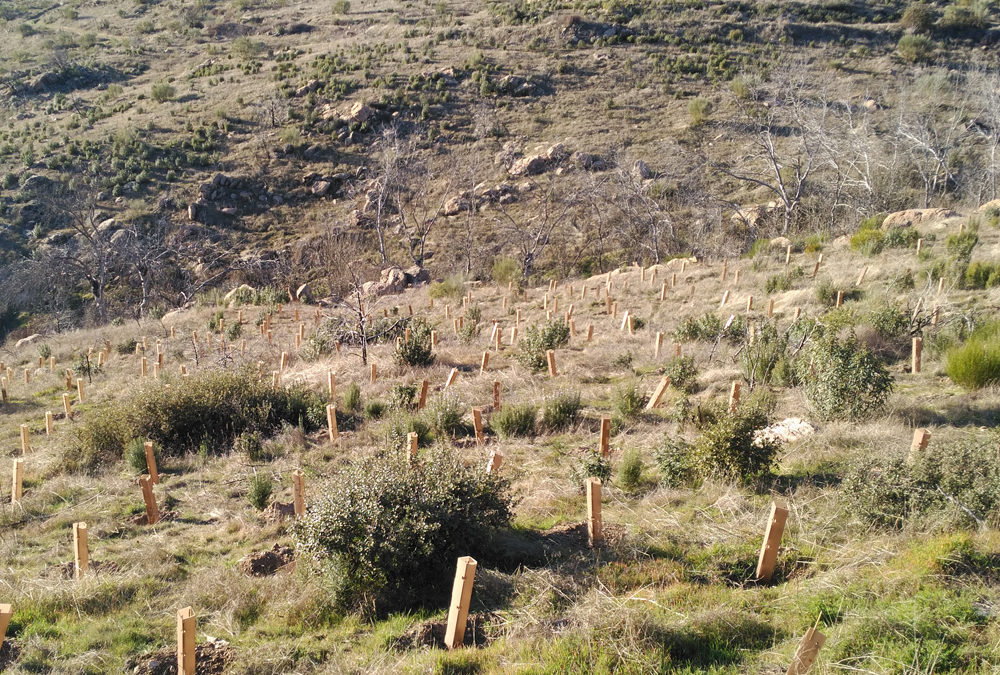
(391, 153)
(532, 226)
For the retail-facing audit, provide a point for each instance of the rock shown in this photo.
(993, 204)
(515, 85)
(456, 205)
(107, 225)
(417, 275)
(193, 212)
(642, 170)
(392, 280)
(841, 242)
(780, 243)
(229, 211)
(304, 294)
(310, 86)
(31, 339)
(912, 217)
(529, 166)
(242, 288)
(360, 113)
(321, 187)
(588, 161)
(278, 511)
(753, 216)
(557, 153)
(786, 431)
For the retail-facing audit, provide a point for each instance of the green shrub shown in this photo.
(452, 287)
(890, 322)
(401, 425)
(628, 401)
(44, 351)
(846, 381)
(591, 465)
(915, 49)
(209, 412)
(960, 245)
(539, 339)
(251, 444)
(126, 348)
(976, 363)
(683, 373)
(869, 241)
(506, 271)
(469, 332)
(374, 409)
(341, 6)
(726, 447)
(417, 351)
(918, 17)
(386, 532)
(826, 293)
(135, 455)
(560, 411)
(162, 91)
(710, 327)
(901, 237)
(675, 461)
(761, 353)
(446, 412)
(234, 331)
(352, 397)
(699, 109)
(982, 275)
(260, 490)
(630, 471)
(401, 397)
(514, 420)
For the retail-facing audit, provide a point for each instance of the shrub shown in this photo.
(234, 331)
(44, 351)
(675, 460)
(126, 348)
(982, 275)
(826, 293)
(683, 373)
(590, 465)
(846, 381)
(452, 287)
(560, 411)
(537, 340)
(960, 245)
(628, 401)
(401, 425)
(976, 363)
(209, 412)
(761, 354)
(251, 444)
(417, 351)
(726, 447)
(446, 413)
(162, 92)
(630, 471)
(918, 17)
(699, 109)
(514, 420)
(259, 493)
(869, 241)
(135, 455)
(710, 327)
(890, 322)
(385, 529)
(374, 409)
(341, 6)
(878, 490)
(915, 49)
(352, 397)
(507, 271)
(401, 397)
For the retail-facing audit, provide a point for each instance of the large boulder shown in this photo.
(457, 205)
(529, 166)
(392, 280)
(228, 297)
(304, 294)
(417, 275)
(913, 217)
(31, 339)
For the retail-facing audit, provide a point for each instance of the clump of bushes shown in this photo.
(446, 412)
(385, 529)
(958, 483)
(209, 412)
(683, 373)
(514, 420)
(845, 379)
(560, 411)
(418, 350)
(628, 401)
(451, 287)
(710, 327)
(761, 354)
(727, 447)
(630, 471)
(537, 340)
(675, 461)
(976, 363)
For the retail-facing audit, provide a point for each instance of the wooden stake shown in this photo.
(749, 302)
(663, 291)
(6, 612)
(486, 361)
(494, 462)
(299, 493)
(657, 344)
(331, 422)
(25, 439)
(154, 475)
(152, 510)
(412, 441)
(461, 596)
(422, 402)
(819, 261)
(807, 652)
(920, 245)
(918, 346)
(770, 308)
(331, 384)
(550, 356)
(496, 395)
(725, 264)
(772, 541)
(477, 423)
(788, 254)
(725, 298)
(798, 313)
(661, 389)
(861, 277)
(17, 481)
(625, 318)
(451, 378)
(594, 534)
(186, 642)
(921, 437)
(590, 332)
(81, 554)
(48, 423)
(80, 392)
(734, 395)
(605, 447)
(27, 376)
(67, 406)
(275, 379)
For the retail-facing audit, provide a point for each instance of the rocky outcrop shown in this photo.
(31, 339)
(304, 294)
(913, 217)
(394, 280)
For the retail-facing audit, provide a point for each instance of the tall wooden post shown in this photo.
(299, 493)
(374, 373)
(422, 401)
(6, 612)
(595, 536)
(477, 423)
(485, 363)
(861, 277)
(81, 554)
(605, 446)
(921, 437)
(772, 541)
(661, 389)
(770, 308)
(734, 395)
(496, 395)
(154, 475)
(152, 510)
(67, 406)
(48, 423)
(550, 357)
(451, 377)
(80, 392)
(331, 421)
(657, 344)
(494, 462)
(412, 443)
(25, 440)
(461, 597)
(918, 347)
(17, 481)
(725, 298)
(186, 641)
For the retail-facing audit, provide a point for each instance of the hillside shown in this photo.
(889, 547)
(206, 144)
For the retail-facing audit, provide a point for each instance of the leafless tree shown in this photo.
(390, 155)
(531, 226)
(984, 83)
